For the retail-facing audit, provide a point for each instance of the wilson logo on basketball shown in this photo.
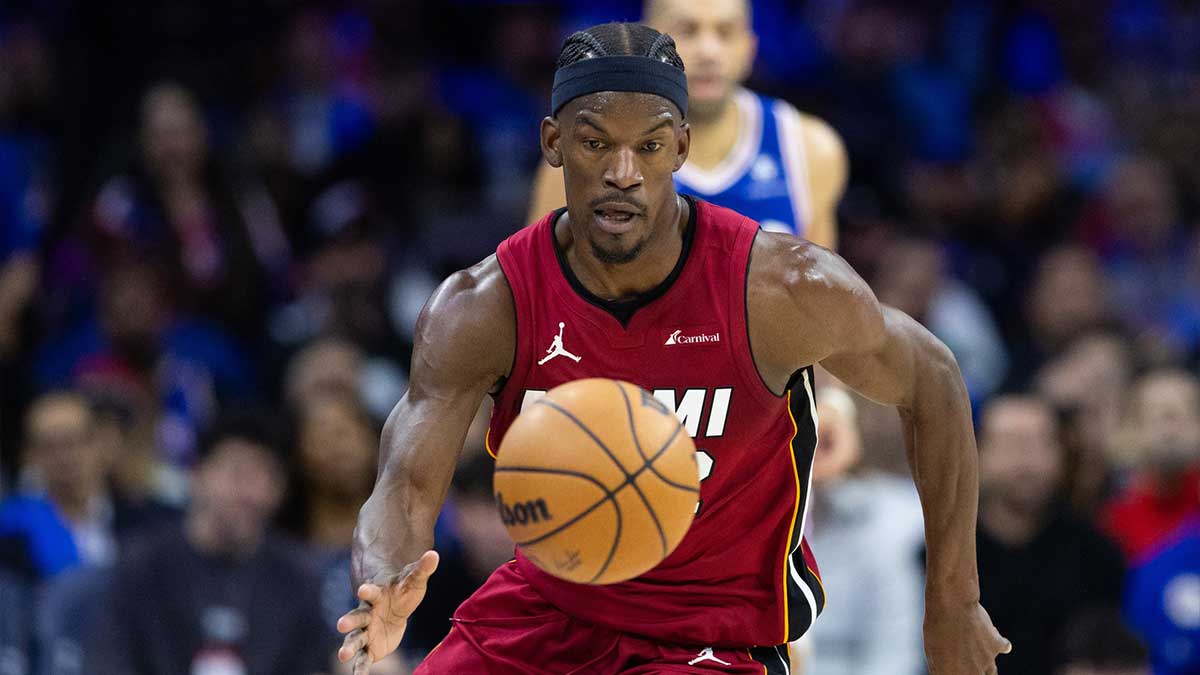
(522, 513)
(678, 338)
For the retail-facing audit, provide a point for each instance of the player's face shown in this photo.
(714, 40)
(618, 151)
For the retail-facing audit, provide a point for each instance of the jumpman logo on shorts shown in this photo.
(707, 655)
(556, 348)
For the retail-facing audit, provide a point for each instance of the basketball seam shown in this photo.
(629, 478)
(610, 495)
(653, 470)
(646, 464)
(616, 542)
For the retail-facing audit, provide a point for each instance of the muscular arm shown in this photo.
(465, 340)
(806, 306)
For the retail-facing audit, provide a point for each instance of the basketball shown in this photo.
(596, 481)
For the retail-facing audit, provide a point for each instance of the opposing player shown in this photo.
(751, 153)
(626, 266)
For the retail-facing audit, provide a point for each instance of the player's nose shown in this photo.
(623, 172)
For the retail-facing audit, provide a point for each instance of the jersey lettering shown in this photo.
(689, 410)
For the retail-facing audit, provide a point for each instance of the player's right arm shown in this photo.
(464, 346)
(548, 192)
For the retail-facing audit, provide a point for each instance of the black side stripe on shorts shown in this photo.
(774, 659)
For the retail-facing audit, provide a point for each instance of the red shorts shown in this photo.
(506, 628)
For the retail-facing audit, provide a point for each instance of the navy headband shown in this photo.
(619, 73)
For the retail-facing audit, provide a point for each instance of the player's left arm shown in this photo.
(806, 306)
(828, 170)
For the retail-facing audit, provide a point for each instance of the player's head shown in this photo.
(716, 41)
(617, 128)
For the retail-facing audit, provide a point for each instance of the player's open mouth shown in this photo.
(616, 219)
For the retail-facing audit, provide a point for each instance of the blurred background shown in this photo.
(219, 221)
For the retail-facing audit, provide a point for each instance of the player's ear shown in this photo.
(683, 144)
(551, 136)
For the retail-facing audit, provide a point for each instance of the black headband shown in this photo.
(619, 73)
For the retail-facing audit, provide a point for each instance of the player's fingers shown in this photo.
(362, 663)
(369, 593)
(355, 618)
(420, 571)
(352, 645)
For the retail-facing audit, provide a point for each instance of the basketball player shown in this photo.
(751, 153)
(628, 265)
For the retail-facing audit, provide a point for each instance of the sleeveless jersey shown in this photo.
(742, 576)
(765, 175)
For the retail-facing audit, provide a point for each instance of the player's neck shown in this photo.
(648, 270)
(714, 135)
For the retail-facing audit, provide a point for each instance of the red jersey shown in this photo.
(742, 576)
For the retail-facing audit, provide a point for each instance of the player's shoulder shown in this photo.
(479, 290)
(792, 281)
(798, 266)
(470, 321)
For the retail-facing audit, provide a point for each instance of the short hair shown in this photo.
(253, 426)
(619, 39)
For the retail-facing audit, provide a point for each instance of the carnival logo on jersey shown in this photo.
(678, 338)
(557, 349)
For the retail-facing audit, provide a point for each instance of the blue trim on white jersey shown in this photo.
(765, 175)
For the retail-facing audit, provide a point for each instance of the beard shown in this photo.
(617, 256)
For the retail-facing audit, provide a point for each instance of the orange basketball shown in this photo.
(596, 481)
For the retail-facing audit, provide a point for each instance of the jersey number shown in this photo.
(704, 462)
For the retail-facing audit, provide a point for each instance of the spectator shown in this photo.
(913, 278)
(1147, 255)
(221, 243)
(68, 514)
(867, 530)
(333, 365)
(1088, 383)
(1166, 491)
(140, 346)
(338, 446)
(1067, 297)
(220, 593)
(1038, 565)
(1098, 643)
(1163, 601)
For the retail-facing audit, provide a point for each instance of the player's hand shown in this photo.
(375, 628)
(961, 640)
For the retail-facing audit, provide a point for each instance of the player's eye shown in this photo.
(653, 146)
(593, 144)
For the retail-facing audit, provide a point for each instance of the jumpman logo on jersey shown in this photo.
(707, 655)
(556, 348)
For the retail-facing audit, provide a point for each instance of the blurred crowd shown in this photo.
(219, 220)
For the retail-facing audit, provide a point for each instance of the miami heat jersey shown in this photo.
(765, 175)
(742, 576)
